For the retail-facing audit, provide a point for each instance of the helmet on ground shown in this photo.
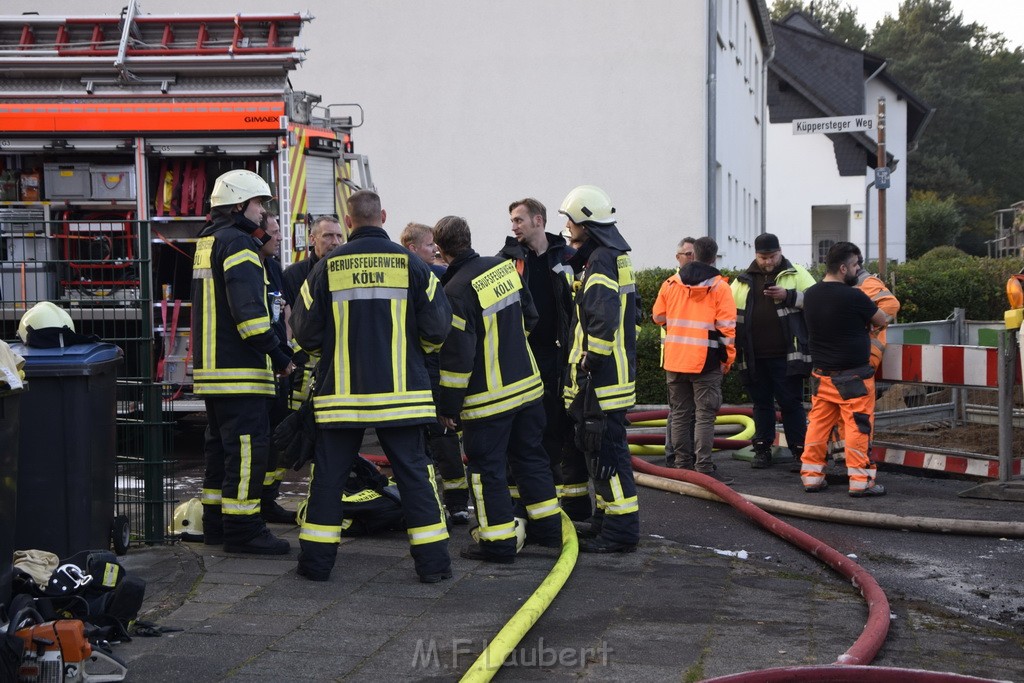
(238, 186)
(188, 519)
(588, 204)
(45, 315)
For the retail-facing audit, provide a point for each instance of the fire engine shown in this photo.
(112, 132)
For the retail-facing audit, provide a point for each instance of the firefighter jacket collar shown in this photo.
(784, 265)
(513, 249)
(607, 235)
(455, 265)
(231, 220)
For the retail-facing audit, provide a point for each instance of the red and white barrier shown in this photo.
(968, 366)
(942, 463)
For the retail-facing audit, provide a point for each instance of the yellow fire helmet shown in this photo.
(188, 519)
(45, 315)
(238, 186)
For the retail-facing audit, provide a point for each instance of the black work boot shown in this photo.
(272, 512)
(762, 455)
(264, 543)
(797, 464)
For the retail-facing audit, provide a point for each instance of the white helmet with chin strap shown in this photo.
(588, 204)
(237, 187)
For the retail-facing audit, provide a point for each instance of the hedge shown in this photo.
(929, 288)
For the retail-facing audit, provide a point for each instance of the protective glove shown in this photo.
(295, 437)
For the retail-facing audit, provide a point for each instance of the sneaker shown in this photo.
(474, 552)
(436, 577)
(273, 513)
(876, 490)
(815, 489)
(603, 546)
(717, 477)
(312, 575)
(460, 517)
(265, 543)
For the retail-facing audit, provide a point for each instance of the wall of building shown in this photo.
(739, 131)
(471, 105)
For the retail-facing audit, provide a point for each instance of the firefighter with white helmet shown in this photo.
(236, 355)
(602, 360)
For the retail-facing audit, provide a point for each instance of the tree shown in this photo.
(971, 147)
(838, 19)
(931, 222)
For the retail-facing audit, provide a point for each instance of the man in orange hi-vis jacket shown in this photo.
(838, 317)
(696, 308)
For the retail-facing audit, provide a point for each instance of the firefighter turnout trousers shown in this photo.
(618, 512)
(847, 396)
(514, 438)
(336, 450)
(446, 452)
(237, 448)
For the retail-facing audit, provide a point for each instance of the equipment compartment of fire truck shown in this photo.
(112, 132)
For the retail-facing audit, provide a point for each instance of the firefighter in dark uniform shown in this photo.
(235, 357)
(372, 310)
(604, 347)
(490, 383)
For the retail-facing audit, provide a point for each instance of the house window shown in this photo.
(823, 247)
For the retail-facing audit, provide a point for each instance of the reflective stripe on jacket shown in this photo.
(888, 303)
(372, 310)
(604, 328)
(230, 321)
(795, 279)
(699, 322)
(487, 368)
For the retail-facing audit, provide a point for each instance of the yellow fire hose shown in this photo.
(491, 659)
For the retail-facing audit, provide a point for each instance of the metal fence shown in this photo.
(97, 264)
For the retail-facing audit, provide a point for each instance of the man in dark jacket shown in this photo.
(542, 259)
(372, 310)
(236, 355)
(490, 384)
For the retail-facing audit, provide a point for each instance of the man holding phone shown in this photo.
(771, 345)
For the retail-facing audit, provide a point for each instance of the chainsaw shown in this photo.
(59, 652)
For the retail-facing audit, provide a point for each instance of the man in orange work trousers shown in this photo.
(838, 316)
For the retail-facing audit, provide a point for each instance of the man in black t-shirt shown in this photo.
(839, 317)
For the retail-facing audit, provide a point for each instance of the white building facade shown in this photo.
(470, 105)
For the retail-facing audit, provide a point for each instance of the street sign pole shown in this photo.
(882, 163)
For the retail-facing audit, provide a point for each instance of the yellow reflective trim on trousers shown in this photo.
(622, 507)
(245, 466)
(543, 509)
(307, 298)
(364, 496)
(432, 533)
(513, 491)
(459, 323)
(432, 478)
(240, 506)
(477, 488)
(492, 362)
(269, 478)
(499, 532)
(320, 533)
(454, 484)
(244, 256)
(574, 490)
(255, 326)
(210, 496)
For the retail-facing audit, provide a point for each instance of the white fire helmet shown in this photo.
(188, 519)
(237, 187)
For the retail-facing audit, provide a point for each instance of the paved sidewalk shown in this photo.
(671, 611)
